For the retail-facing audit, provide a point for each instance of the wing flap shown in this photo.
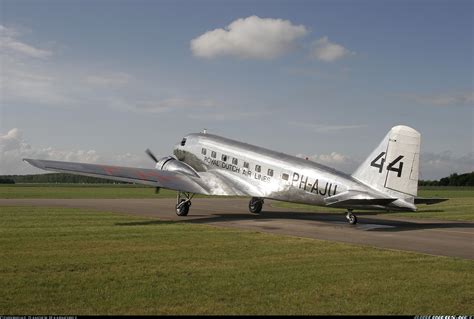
(165, 179)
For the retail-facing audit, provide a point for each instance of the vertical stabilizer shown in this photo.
(393, 165)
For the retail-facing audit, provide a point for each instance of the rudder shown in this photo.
(393, 165)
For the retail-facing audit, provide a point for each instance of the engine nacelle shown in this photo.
(169, 163)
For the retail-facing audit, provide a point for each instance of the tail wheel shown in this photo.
(255, 205)
(351, 218)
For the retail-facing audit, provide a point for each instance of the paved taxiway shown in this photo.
(444, 238)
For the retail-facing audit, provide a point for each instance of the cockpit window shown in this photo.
(183, 141)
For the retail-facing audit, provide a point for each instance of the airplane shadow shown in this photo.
(149, 222)
(377, 224)
(340, 220)
(431, 211)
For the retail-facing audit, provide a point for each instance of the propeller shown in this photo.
(153, 157)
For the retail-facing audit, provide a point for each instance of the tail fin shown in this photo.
(393, 165)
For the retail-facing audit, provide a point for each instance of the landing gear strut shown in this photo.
(183, 202)
(255, 205)
(351, 218)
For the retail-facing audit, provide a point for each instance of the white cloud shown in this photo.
(111, 79)
(325, 128)
(13, 148)
(10, 44)
(23, 79)
(10, 141)
(251, 37)
(328, 51)
(438, 165)
(21, 84)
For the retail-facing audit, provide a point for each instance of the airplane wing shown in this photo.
(206, 183)
(166, 179)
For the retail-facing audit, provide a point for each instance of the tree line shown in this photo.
(455, 179)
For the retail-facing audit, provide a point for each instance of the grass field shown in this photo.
(74, 261)
(81, 191)
(459, 207)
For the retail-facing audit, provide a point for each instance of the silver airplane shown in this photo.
(213, 165)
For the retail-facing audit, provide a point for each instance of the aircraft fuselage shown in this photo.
(273, 174)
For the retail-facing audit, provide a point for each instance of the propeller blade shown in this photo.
(151, 155)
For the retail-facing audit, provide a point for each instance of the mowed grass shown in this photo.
(460, 205)
(74, 261)
(64, 191)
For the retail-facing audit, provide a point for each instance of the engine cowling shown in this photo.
(169, 163)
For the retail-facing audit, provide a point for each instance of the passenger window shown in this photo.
(224, 158)
(246, 165)
(270, 172)
(183, 141)
(258, 168)
(285, 176)
(235, 161)
(203, 151)
(213, 154)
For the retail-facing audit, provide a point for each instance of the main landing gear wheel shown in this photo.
(183, 202)
(255, 205)
(351, 218)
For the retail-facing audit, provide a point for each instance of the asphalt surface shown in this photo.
(443, 238)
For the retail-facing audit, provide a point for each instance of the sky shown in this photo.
(100, 81)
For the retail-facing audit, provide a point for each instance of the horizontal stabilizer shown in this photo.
(363, 202)
(357, 198)
(429, 201)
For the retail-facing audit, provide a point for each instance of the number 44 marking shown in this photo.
(390, 166)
